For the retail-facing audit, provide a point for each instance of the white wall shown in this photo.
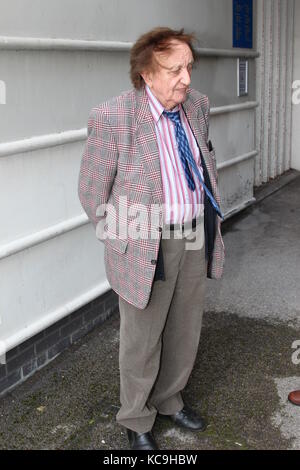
(116, 19)
(50, 261)
(51, 91)
(296, 107)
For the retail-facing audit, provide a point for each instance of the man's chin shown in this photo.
(182, 96)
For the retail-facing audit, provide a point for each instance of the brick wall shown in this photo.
(36, 352)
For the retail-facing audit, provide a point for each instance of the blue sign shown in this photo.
(242, 23)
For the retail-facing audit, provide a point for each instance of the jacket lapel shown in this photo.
(146, 144)
(199, 132)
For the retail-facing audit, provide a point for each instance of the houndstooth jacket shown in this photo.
(121, 163)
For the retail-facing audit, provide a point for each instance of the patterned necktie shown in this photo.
(187, 158)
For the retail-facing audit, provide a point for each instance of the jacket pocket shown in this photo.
(116, 244)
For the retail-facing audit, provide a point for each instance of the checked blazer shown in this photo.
(121, 163)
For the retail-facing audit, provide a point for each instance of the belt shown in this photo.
(188, 225)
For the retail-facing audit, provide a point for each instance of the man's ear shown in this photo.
(147, 77)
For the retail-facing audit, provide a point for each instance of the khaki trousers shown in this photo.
(158, 345)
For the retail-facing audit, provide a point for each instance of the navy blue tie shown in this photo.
(187, 158)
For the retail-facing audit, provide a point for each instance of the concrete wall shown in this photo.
(296, 92)
(50, 261)
(66, 84)
(116, 19)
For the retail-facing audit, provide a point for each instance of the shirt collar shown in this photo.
(156, 107)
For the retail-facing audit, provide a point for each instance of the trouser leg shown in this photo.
(181, 335)
(140, 347)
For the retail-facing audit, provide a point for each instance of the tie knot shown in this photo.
(174, 116)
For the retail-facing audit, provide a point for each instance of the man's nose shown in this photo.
(185, 77)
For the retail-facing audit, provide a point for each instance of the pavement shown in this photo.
(248, 359)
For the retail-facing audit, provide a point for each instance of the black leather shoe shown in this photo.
(187, 419)
(141, 441)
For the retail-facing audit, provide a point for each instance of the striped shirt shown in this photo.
(180, 203)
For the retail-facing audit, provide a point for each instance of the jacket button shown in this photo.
(153, 261)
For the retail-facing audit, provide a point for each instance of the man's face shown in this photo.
(172, 76)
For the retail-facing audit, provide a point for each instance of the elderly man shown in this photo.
(148, 152)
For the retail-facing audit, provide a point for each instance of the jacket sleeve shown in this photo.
(98, 165)
(209, 142)
(206, 115)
